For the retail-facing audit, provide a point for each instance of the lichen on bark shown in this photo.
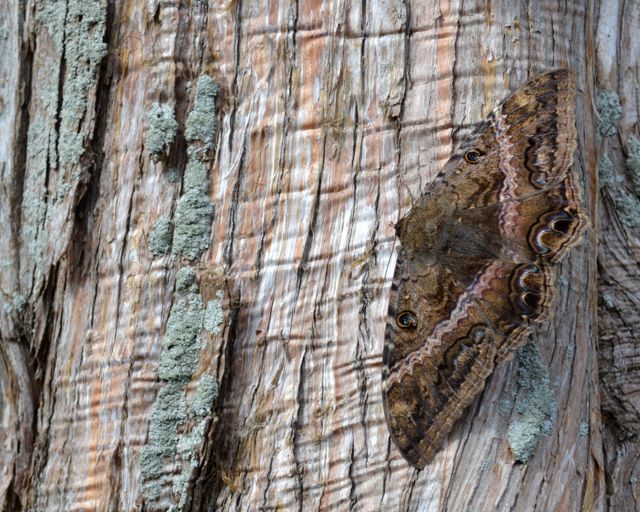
(179, 418)
(536, 406)
(194, 212)
(161, 129)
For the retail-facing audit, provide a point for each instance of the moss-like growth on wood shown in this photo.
(537, 405)
(179, 421)
(627, 204)
(609, 112)
(160, 237)
(161, 129)
(633, 163)
(201, 123)
(84, 49)
(194, 214)
(213, 315)
(181, 343)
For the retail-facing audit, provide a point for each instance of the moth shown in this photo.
(477, 261)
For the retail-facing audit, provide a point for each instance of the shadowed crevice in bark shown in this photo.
(22, 127)
(17, 384)
(223, 439)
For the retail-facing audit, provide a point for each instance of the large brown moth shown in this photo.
(477, 261)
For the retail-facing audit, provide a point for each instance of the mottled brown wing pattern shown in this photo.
(477, 262)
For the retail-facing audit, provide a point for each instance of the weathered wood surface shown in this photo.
(331, 117)
(617, 72)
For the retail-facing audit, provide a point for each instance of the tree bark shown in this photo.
(617, 72)
(197, 243)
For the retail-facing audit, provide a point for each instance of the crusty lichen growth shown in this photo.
(213, 315)
(161, 129)
(17, 302)
(168, 412)
(181, 343)
(190, 443)
(194, 212)
(183, 427)
(160, 237)
(633, 162)
(605, 167)
(504, 406)
(628, 208)
(627, 204)
(179, 422)
(201, 123)
(185, 278)
(84, 49)
(609, 112)
(61, 121)
(608, 300)
(192, 233)
(206, 393)
(583, 429)
(537, 407)
(196, 174)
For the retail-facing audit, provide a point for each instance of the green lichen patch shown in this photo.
(201, 123)
(161, 129)
(571, 349)
(192, 233)
(190, 443)
(628, 208)
(185, 278)
(608, 300)
(160, 237)
(51, 14)
(627, 204)
(605, 168)
(196, 176)
(609, 112)
(41, 148)
(537, 406)
(633, 162)
(194, 212)
(504, 406)
(188, 450)
(183, 435)
(213, 315)
(17, 303)
(34, 211)
(172, 176)
(583, 429)
(181, 344)
(178, 425)
(206, 393)
(168, 412)
(84, 49)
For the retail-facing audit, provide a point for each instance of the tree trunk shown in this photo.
(197, 243)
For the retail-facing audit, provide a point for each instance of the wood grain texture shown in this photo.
(331, 117)
(619, 249)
